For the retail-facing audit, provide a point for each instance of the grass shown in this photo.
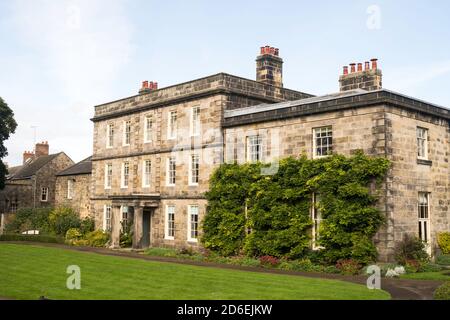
(435, 275)
(31, 271)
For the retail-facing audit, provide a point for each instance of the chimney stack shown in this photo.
(368, 79)
(41, 149)
(27, 155)
(269, 67)
(148, 87)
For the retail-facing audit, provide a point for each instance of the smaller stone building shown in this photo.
(73, 187)
(32, 185)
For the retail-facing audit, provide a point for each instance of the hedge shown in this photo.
(32, 238)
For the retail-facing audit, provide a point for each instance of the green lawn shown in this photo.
(28, 272)
(437, 275)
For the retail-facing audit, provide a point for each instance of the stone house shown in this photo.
(154, 152)
(32, 185)
(73, 187)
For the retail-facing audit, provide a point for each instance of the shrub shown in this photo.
(62, 219)
(80, 243)
(430, 267)
(443, 292)
(269, 261)
(97, 238)
(32, 238)
(413, 249)
(30, 219)
(444, 242)
(126, 234)
(443, 259)
(348, 266)
(161, 252)
(73, 235)
(87, 225)
(412, 265)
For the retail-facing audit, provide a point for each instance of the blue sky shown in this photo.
(60, 58)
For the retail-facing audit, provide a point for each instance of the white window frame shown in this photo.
(195, 121)
(189, 222)
(110, 135)
(44, 193)
(424, 223)
(125, 178)
(329, 147)
(108, 177)
(166, 224)
(126, 141)
(146, 164)
(107, 225)
(255, 148)
(70, 183)
(422, 143)
(191, 169)
(172, 126)
(316, 217)
(13, 207)
(169, 182)
(148, 128)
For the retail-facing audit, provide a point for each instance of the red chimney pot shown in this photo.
(359, 67)
(345, 70)
(366, 65)
(374, 63)
(144, 84)
(352, 67)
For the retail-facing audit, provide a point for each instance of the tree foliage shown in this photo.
(7, 127)
(277, 208)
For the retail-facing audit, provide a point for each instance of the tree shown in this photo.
(7, 127)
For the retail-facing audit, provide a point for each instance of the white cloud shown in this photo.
(76, 51)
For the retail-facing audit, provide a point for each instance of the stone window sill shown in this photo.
(424, 162)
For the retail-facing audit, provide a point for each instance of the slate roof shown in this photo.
(12, 171)
(82, 167)
(331, 102)
(28, 170)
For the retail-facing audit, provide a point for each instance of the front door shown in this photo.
(146, 228)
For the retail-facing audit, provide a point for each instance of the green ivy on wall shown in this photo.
(260, 215)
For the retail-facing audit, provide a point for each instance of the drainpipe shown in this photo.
(34, 192)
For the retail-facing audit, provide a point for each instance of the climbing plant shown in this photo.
(254, 214)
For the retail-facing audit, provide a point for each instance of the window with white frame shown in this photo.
(146, 173)
(110, 135)
(126, 132)
(316, 217)
(44, 194)
(171, 171)
(172, 125)
(13, 206)
(70, 183)
(322, 141)
(195, 121)
(125, 174)
(125, 219)
(108, 175)
(148, 127)
(422, 143)
(254, 148)
(424, 216)
(194, 169)
(107, 218)
(192, 223)
(170, 222)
